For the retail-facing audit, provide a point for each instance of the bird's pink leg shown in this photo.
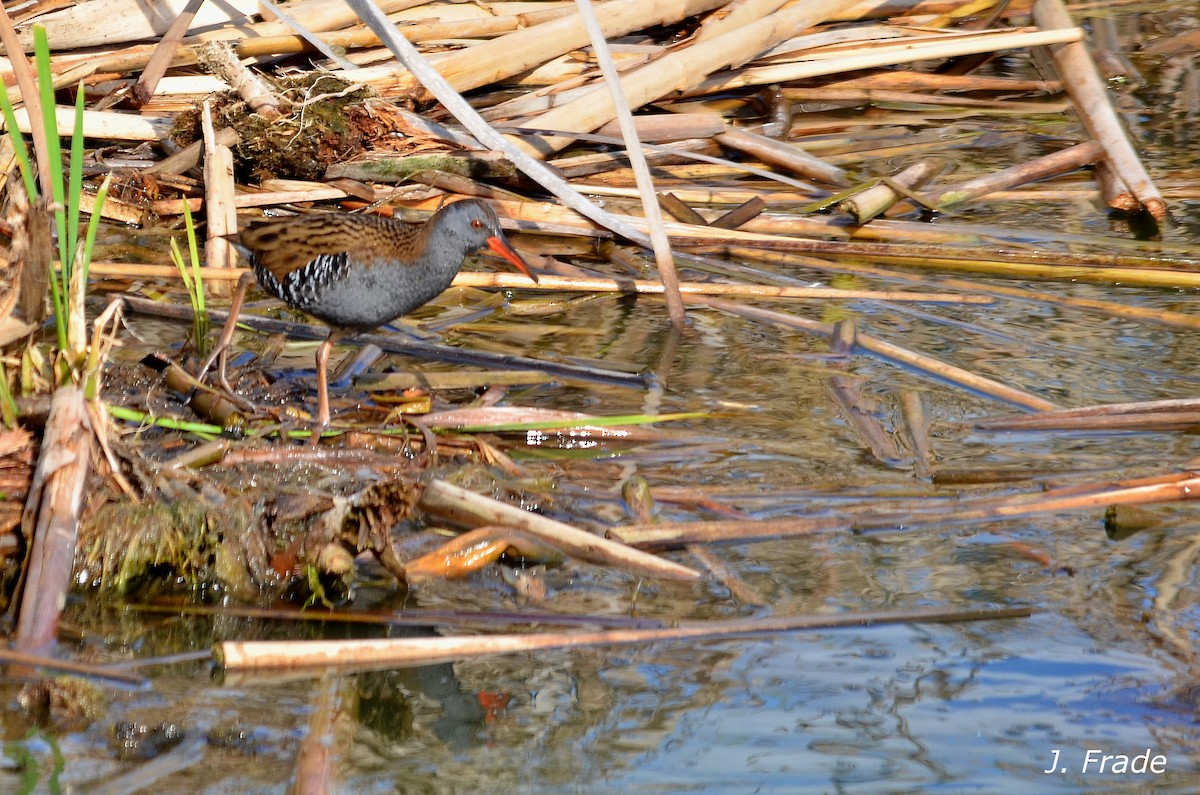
(323, 378)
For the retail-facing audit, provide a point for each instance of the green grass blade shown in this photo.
(194, 252)
(41, 52)
(170, 423)
(46, 90)
(93, 224)
(19, 148)
(75, 178)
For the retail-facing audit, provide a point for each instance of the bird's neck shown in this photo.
(445, 251)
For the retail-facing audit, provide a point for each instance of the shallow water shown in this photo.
(979, 707)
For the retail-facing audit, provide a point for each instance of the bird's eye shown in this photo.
(477, 224)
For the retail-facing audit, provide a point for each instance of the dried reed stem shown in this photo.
(1092, 102)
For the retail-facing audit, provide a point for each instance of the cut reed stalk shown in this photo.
(1088, 92)
(318, 656)
(681, 70)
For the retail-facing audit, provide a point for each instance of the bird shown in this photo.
(357, 272)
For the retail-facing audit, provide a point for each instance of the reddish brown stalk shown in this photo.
(1143, 415)
(1050, 165)
(51, 519)
(164, 53)
(1139, 491)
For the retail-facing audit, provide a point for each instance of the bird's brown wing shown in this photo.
(288, 244)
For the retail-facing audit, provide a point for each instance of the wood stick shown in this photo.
(164, 52)
(1168, 488)
(108, 125)
(217, 57)
(735, 15)
(680, 210)
(96, 24)
(921, 81)
(189, 156)
(784, 155)
(1091, 99)
(1181, 406)
(1165, 317)
(467, 507)
(1059, 162)
(28, 91)
(664, 127)
(653, 212)
(1112, 189)
(397, 652)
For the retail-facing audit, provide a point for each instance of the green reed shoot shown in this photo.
(193, 283)
(65, 194)
(8, 406)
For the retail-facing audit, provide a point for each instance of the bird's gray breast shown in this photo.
(343, 291)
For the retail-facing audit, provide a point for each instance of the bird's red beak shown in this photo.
(500, 246)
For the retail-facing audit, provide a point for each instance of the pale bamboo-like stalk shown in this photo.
(459, 504)
(28, 92)
(911, 97)
(398, 652)
(1095, 109)
(1059, 162)
(218, 202)
(934, 48)
(874, 200)
(1112, 189)
(1140, 313)
(108, 125)
(113, 21)
(922, 81)
(134, 57)
(303, 31)
(681, 70)
(658, 235)
(735, 15)
(510, 281)
(189, 156)
(525, 49)
(669, 127)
